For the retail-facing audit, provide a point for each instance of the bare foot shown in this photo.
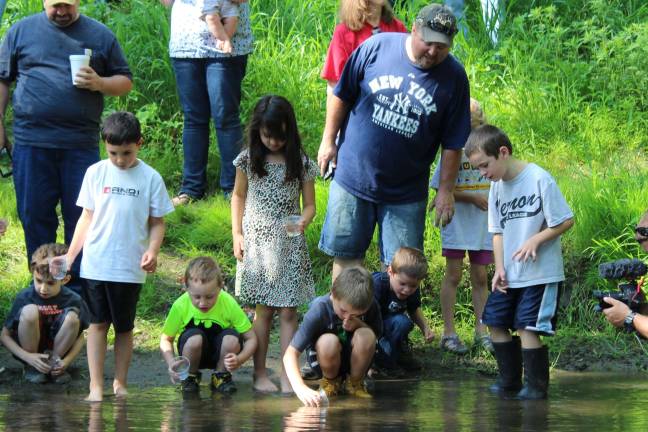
(119, 390)
(286, 388)
(95, 395)
(264, 385)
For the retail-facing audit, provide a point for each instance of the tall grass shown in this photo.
(567, 82)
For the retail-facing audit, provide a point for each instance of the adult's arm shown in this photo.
(444, 199)
(336, 111)
(4, 102)
(617, 313)
(116, 85)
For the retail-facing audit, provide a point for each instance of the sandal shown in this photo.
(484, 341)
(182, 200)
(453, 345)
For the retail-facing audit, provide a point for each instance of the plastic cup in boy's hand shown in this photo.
(324, 400)
(292, 225)
(179, 369)
(58, 267)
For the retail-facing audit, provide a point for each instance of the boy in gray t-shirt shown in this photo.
(526, 214)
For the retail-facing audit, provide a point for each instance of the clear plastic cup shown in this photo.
(324, 400)
(53, 360)
(58, 267)
(180, 366)
(291, 223)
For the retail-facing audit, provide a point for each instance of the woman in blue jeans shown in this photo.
(209, 87)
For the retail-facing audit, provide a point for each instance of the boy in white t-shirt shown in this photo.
(120, 231)
(527, 215)
(466, 233)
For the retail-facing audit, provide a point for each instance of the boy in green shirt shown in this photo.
(214, 331)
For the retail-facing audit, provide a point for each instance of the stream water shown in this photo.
(578, 402)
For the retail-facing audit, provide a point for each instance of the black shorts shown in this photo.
(112, 302)
(345, 356)
(533, 308)
(212, 341)
(48, 327)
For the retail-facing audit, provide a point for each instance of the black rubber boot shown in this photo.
(536, 373)
(509, 366)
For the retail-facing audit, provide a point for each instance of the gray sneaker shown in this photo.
(453, 344)
(484, 341)
(33, 376)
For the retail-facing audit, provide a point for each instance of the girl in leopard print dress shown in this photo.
(273, 269)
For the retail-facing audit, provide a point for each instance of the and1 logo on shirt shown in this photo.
(401, 113)
(519, 207)
(116, 190)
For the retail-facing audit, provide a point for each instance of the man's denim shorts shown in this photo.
(350, 222)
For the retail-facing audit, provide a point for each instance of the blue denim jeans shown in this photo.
(395, 330)
(42, 178)
(209, 88)
(350, 222)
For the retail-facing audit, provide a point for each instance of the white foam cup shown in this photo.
(76, 62)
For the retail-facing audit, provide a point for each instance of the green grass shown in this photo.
(567, 83)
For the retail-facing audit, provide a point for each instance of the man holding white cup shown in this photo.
(56, 119)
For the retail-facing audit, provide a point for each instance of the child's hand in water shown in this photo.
(232, 362)
(308, 396)
(239, 247)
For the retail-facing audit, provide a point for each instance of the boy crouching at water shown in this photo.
(46, 316)
(120, 231)
(526, 214)
(398, 295)
(214, 331)
(342, 327)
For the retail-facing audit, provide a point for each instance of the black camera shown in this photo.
(629, 292)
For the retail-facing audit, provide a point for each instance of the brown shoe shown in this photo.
(182, 200)
(332, 387)
(356, 388)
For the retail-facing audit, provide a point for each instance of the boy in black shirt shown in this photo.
(44, 328)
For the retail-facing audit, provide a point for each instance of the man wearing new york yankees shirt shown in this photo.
(399, 98)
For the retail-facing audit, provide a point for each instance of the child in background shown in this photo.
(120, 231)
(527, 214)
(359, 20)
(342, 327)
(273, 269)
(46, 316)
(467, 232)
(211, 326)
(221, 17)
(397, 291)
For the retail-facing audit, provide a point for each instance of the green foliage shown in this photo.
(567, 82)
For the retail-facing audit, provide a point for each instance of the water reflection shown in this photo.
(445, 403)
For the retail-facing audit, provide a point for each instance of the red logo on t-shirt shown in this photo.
(106, 189)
